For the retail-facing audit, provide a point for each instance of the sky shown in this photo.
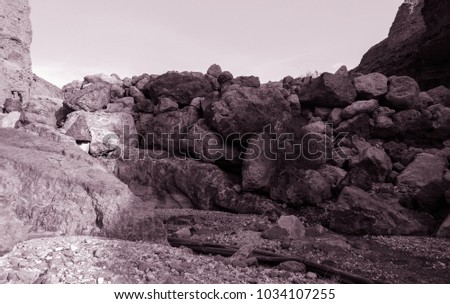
(266, 38)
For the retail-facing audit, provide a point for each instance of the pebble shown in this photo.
(311, 275)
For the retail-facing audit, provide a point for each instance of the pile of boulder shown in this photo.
(371, 150)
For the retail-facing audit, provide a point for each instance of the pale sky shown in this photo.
(266, 38)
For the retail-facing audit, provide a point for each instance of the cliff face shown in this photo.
(15, 40)
(418, 45)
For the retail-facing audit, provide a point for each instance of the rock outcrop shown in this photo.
(417, 45)
(56, 189)
(15, 41)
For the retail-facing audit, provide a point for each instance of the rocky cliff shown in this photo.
(15, 40)
(418, 45)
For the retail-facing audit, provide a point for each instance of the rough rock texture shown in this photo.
(328, 90)
(15, 40)
(403, 92)
(358, 212)
(417, 45)
(42, 87)
(248, 110)
(374, 85)
(42, 110)
(92, 98)
(444, 229)
(424, 178)
(56, 189)
(181, 88)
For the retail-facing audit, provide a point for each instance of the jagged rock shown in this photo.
(42, 110)
(181, 88)
(165, 105)
(439, 118)
(297, 187)
(92, 98)
(15, 61)
(328, 90)
(320, 112)
(275, 233)
(382, 125)
(203, 144)
(371, 165)
(127, 102)
(142, 104)
(335, 116)
(82, 199)
(79, 130)
(247, 81)
(102, 79)
(10, 120)
(174, 124)
(424, 101)
(403, 92)
(107, 130)
(424, 178)
(248, 110)
(259, 164)
(293, 225)
(214, 70)
(444, 229)
(334, 175)
(440, 95)
(411, 123)
(41, 87)
(359, 125)
(342, 71)
(358, 212)
(206, 185)
(225, 77)
(114, 108)
(45, 131)
(72, 87)
(371, 86)
(359, 107)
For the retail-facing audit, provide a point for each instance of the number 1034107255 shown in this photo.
(296, 294)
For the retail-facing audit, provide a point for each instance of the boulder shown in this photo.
(403, 93)
(424, 180)
(293, 225)
(165, 105)
(91, 98)
(79, 130)
(358, 213)
(382, 125)
(439, 118)
(359, 107)
(102, 79)
(411, 123)
(72, 87)
(42, 110)
(296, 187)
(359, 125)
(328, 90)
(334, 175)
(335, 116)
(371, 165)
(83, 198)
(371, 86)
(208, 187)
(247, 81)
(142, 104)
(167, 129)
(41, 87)
(444, 229)
(440, 95)
(214, 70)
(106, 129)
(181, 88)
(248, 110)
(259, 163)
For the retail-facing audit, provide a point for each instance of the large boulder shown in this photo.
(296, 187)
(411, 123)
(440, 95)
(166, 130)
(371, 165)
(359, 107)
(259, 164)
(181, 88)
(403, 93)
(423, 179)
(50, 188)
(91, 98)
(42, 110)
(328, 90)
(206, 186)
(248, 110)
(358, 213)
(107, 130)
(371, 86)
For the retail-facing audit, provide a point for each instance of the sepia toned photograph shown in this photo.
(225, 142)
